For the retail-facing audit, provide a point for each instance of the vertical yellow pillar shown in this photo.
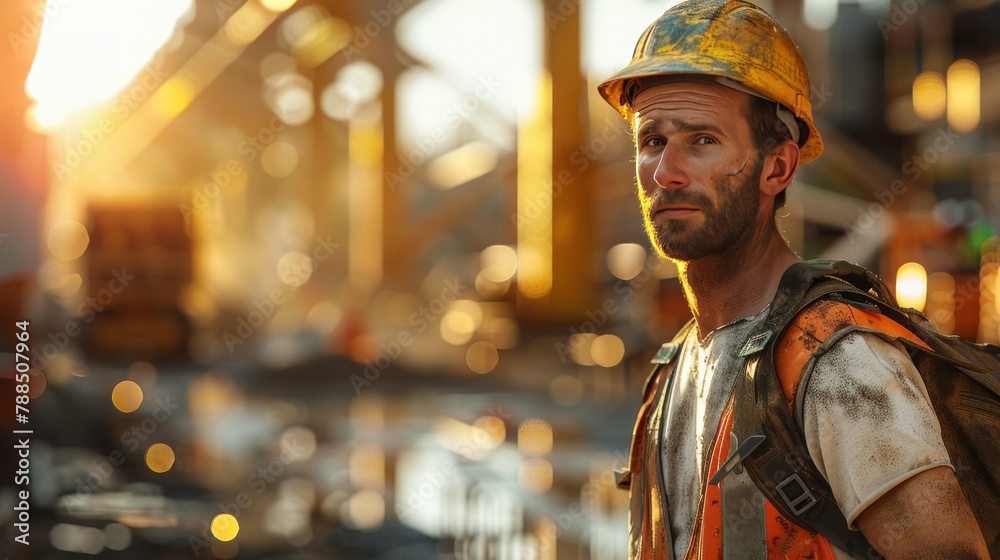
(364, 200)
(556, 228)
(534, 197)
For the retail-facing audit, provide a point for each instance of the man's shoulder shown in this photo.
(824, 325)
(827, 320)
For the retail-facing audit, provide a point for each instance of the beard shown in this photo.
(722, 227)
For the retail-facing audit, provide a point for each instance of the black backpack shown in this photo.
(962, 381)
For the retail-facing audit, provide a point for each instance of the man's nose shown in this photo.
(670, 169)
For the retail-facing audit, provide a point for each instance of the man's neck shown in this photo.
(738, 283)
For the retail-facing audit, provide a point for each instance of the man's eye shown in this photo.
(704, 140)
(653, 142)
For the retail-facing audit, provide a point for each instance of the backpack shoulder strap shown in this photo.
(778, 461)
(813, 326)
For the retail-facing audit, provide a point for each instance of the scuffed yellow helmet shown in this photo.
(730, 39)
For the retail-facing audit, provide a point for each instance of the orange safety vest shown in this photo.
(649, 526)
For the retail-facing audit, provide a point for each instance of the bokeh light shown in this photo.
(534, 437)
(626, 260)
(536, 475)
(482, 357)
(55, 278)
(38, 383)
(68, 239)
(294, 268)
(498, 263)
(313, 35)
(366, 509)
(494, 429)
(457, 327)
(294, 106)
(335, 104)
(76, 538)
(279, 159)
(324, 317)
(580, 348)
(963, 83)
(225, 527)
(117, 536)
(300, 443)
(929, 96)
(940, 308)
(360, 81)
(126, 396)
(607, 350)
(159, 457)
(911, 286)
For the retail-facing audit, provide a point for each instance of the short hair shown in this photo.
(768, 131)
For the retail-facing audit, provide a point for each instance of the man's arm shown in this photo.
(924, 517)
(870, 426)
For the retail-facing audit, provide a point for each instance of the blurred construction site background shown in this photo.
(367, 278)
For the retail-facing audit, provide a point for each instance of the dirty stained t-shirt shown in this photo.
(868, 421)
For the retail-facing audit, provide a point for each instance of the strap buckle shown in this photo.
(804, 495)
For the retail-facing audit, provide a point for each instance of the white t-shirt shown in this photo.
(867, 418)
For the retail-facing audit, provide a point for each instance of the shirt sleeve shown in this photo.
(868, 421)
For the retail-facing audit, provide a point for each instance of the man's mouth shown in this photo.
(673, 212)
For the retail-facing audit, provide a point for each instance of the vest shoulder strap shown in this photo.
(663, 365)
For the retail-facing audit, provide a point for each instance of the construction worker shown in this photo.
(718, 98)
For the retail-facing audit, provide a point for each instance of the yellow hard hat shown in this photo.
(729, 39)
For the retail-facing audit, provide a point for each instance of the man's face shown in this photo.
(697, 168)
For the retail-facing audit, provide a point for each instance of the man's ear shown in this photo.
(779, 168)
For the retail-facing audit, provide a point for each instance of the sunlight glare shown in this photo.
(90, 51)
